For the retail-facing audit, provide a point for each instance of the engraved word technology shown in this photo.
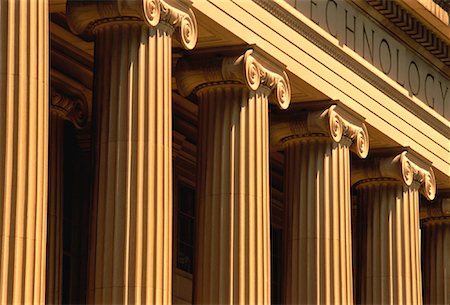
(379, 48)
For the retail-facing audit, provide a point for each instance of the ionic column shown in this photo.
(132, 257)
(233, 241)
(436, 251)
(24, 74)
(74, 110)
(389, 242)
(317, 188)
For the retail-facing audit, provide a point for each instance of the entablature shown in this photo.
(316, 58)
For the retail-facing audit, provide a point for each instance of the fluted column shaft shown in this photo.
(388, 240)
(133, 254)
(389, 243)
(232, 264)
(436, 271)
(23, 150)
(319, 256)
(233, 249)
(436, 257)
(53, 284)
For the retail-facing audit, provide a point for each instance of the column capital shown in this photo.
(252, 69)
(437, 211)
(84, 16)
(71, 109)
(400, 168)
(334, 122)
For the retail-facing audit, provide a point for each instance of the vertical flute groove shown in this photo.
(132, 259)
(23, 150)
(436, 269)
(318, 220)
(390, 272)
(232, 264)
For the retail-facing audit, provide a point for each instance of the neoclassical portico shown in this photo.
(230, 141)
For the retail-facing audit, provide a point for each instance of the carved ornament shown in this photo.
(436, 212)
(70, 109)
(400, 168)
(84, 16)
(277, 10)
(321, 123)
(249, 69)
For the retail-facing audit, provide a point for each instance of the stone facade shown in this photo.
(224, 152)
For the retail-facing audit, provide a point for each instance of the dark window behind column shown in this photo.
(276, 240)
(185, 232)
(76, 215)
(277, 219)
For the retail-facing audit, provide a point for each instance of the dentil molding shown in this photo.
(274, 8)
(328, 122)
(84, 16)
(400, 168)
(72, 109)
(251, 69)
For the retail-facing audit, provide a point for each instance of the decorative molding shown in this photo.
(250, 69)
(70, 109)
(413, 27)
(293, 22)
(399, 168)
(439, 8)
(435, 212)
(85, 16)
(444, 4)
(295, 127)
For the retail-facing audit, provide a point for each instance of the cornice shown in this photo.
(290, 20)
(330, 123)
(72, 109)
(251, 69)
(400, 168)
(413, 27)
(85, 16)
(432, 14)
